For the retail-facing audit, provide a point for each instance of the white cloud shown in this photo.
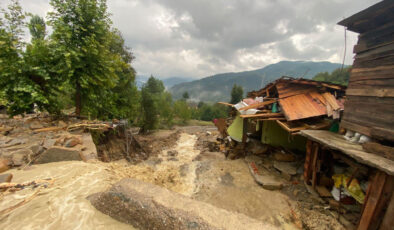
(197, 38)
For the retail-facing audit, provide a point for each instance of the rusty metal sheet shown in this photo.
(311, 104)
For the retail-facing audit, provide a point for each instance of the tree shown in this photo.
(121, 101)
(182, 111)
(19, 91)
(81, 31)
(185, 95)
(37, 27)
(40, 66)
(151, 94)
(236, 94)
(338, 76)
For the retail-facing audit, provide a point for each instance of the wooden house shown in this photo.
(369, 107)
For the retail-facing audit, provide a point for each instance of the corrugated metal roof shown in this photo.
(303, 106)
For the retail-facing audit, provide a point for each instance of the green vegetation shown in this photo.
(208, 112)
(338, 76)
(236, 94)
(84, 63)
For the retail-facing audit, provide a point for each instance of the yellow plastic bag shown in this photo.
(354, 188)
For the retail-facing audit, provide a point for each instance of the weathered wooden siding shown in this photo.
(369, 106)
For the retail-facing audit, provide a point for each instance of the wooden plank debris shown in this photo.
(258, 105)
(303, 106)
(354, 150)
(225, 103)
(262, 115)
(323, 191)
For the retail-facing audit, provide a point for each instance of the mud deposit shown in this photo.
(183, 167)
(62, 205)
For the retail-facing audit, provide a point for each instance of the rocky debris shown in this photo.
(256, 147)
(36, 125)
(5, 130)
(89, 150)
(19, 157)
(172, 153)
(57, 153)
(36, 149)
(73, 141)
(5, 178)
(287, 169)
(264, 178)
(13, 142)
(282, 156)
(49, 143)
(62, 124)
(148, 206)
(4, 165)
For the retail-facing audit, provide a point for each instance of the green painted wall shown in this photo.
(275, 135)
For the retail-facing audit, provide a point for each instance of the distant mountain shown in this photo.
(168, 82)
(218, 87)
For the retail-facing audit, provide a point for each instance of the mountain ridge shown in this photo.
(218, 87)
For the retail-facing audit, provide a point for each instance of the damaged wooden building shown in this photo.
(369, 109)
(345, 134)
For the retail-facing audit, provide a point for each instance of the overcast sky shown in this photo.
(197, 38)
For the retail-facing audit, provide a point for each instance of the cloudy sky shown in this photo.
(197, 38)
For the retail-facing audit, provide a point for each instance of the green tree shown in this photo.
(338, 76)
(37, 27)
(151, 95)
(182, 111)
(185, 95)
(166, 110)
(121, 101)
(40, 67)
(81, 31)
(209, 112)
(236, 94)
(19, 91)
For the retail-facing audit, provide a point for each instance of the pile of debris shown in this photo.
(295, 104)
(38, 139)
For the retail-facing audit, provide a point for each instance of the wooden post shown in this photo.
(308, 161)
(244, 130)
(379, 193)
(314, 163)
(388, 220)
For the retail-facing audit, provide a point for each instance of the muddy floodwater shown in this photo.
(62, 205)
(182, 168)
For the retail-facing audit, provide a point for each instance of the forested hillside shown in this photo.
(218, 87)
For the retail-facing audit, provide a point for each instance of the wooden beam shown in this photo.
(308, 160)
(372, 201)
(273, 119)
(265, 115)
(244, 130)
(257, 105)
(225, 103)
(314, 163)
(370, 92)
(388, 220)
(283, 125)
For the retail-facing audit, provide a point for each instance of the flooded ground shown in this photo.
(63, 204)
(182, 168)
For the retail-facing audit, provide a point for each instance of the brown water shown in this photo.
(62, 205)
